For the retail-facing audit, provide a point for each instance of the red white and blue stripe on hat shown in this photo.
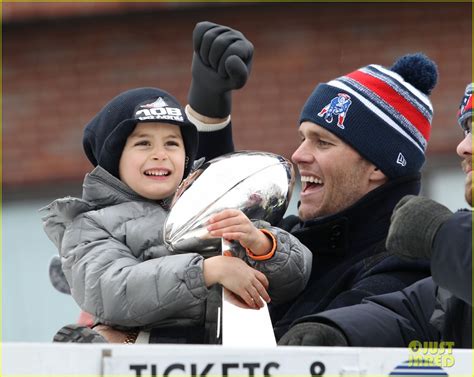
(379, 113)
(402, 106)
(465, 109)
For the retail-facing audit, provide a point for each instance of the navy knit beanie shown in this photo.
(106, 134)
(384, 114)
(465, 109)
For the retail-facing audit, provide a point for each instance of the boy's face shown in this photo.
(153, 159)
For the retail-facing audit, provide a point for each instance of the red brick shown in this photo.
(57, 73)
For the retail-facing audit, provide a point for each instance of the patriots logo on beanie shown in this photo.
(465, 109)
(390, 115)
(338, 107)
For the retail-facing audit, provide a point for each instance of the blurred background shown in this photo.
(63, 61)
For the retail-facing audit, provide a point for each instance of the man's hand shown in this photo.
(415, 221)
(222, 61)
(313, 334)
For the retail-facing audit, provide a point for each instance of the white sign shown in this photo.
(227, 362)
(158, 360)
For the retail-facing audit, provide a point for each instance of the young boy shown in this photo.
(111, 240)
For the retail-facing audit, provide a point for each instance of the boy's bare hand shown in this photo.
(233, 224)
(239, 278)
(235, 300)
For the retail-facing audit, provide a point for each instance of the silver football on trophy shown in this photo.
(260, 184)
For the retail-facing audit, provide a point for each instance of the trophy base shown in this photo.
(243, 327)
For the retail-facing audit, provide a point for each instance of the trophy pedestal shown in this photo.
(245, 327)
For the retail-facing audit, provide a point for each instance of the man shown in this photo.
(363, 138)
(433, 309)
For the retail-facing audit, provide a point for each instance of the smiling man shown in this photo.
(435, 311)
(363, 138)
(328, 186)
(355, 166)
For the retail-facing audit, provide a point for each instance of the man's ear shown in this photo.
(377, 177)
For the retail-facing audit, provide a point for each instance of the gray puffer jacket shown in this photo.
(113, 256)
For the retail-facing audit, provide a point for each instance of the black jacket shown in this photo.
(349, 257)
(433, 309)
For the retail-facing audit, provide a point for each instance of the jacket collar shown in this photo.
(360, 225)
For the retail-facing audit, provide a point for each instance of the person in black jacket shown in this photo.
(363, 138)
(437, 309)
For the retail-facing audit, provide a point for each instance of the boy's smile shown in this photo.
(153, 159)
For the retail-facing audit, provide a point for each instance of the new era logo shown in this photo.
(401, 160)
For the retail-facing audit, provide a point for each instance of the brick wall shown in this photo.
(57, 73)
(34, 11)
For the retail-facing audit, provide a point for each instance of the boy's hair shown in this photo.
(106, 134)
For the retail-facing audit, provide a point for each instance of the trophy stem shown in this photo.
(241, 327)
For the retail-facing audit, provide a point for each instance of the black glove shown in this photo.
(415, 221)
(221, 62)
(313, 334)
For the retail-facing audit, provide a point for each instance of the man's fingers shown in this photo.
(224, 49)
(219, 46)
(199, 30)
(237, 70)
(242, 48)
(207, 41)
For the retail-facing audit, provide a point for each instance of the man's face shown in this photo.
(333, 174)
(152, 161)
(464, 150)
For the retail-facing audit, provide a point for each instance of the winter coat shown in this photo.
(350, 261)
(113, 256)
(431, 310)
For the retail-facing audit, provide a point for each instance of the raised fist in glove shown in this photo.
(313, 334)
(221, 62)
(414, 223)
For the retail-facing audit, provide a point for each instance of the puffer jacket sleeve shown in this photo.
(288, 270)
(109, 282)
